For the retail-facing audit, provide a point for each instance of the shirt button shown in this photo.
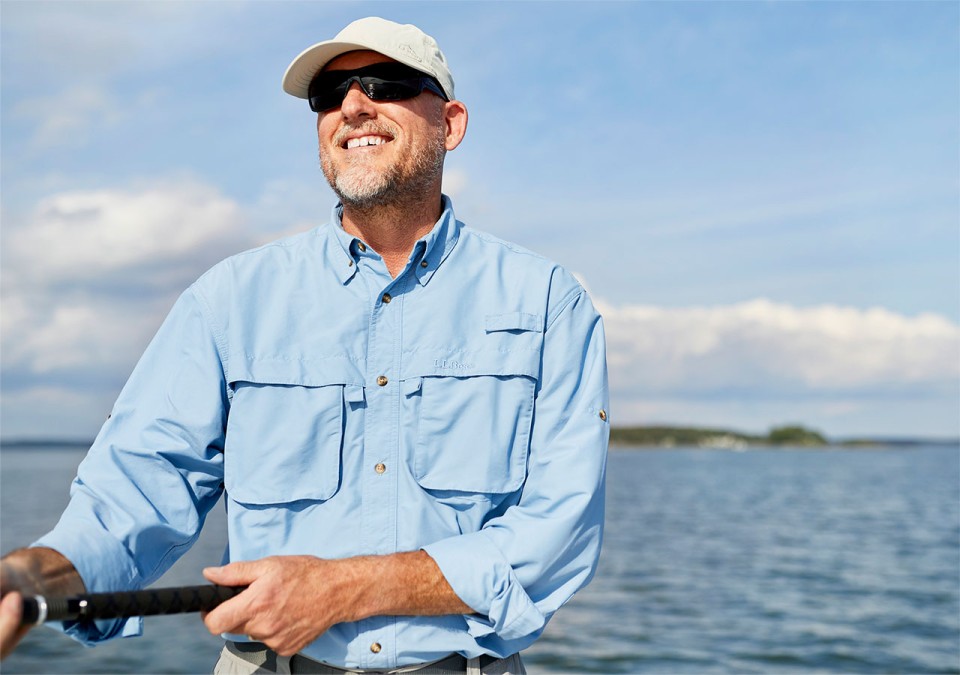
(603, 414)
(380, 468)
(350, 264)
(375, 648)
(387, 298)
(423, 263)
(382, 380)
(361, 246)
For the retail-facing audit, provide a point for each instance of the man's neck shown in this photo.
(392, 229)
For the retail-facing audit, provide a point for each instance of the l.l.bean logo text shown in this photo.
(450, 364)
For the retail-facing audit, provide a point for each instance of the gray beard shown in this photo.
(364, 190)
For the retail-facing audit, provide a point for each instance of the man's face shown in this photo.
(380, 152)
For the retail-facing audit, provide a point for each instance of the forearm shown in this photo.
(405, 584)
(31, 571)
(39, 571)
(290, 600)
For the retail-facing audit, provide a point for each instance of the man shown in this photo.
(407, 417)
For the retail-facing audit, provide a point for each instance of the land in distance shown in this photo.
(792, 436)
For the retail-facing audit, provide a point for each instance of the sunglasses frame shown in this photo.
(401, 82)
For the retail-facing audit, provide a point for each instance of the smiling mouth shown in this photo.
(364, 141)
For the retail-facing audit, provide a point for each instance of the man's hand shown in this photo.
(11, 632)
(292, 600)
(32, 571)
(11, 607)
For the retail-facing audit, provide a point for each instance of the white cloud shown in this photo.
(65, 358)
(88, 276)
(761, 349)
(164, 233)
(92, 334)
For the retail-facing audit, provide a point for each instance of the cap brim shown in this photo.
(296, 81)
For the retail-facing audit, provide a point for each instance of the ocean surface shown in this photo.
(766, 561)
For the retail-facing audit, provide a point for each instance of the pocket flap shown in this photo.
(353, 394)
(297, 372)
(411, 385)
(519, 321)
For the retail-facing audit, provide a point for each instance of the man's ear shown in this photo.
(455, 120)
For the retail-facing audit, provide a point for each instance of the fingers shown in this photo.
(11, 632)
(282, 606)
(234, 574)
(230, 616)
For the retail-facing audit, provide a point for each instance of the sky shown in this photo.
(762, 198)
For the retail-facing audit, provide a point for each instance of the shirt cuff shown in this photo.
(104, 565)
(91, 633)
(484, 580)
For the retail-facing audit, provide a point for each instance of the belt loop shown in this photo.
(473, 666)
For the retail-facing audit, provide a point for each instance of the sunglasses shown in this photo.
(380, 82)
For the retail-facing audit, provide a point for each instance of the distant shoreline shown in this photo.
(44, 442)
(793, 436)
(874, 444)
(654, 438)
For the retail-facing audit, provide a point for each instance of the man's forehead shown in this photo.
(357, 59)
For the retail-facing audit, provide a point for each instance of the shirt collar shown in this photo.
(343, 259)
(427, 255)
(434, 248)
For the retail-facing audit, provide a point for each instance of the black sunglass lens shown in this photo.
(390, 90)
(380, 81)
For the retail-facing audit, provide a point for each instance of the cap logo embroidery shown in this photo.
(410, 51)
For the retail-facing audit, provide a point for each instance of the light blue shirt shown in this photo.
(458, 409)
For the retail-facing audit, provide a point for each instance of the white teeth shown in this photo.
(364, 141)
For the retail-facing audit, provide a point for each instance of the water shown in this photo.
(779, 561)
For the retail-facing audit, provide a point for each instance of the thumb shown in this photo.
(10, 629)
(234, 574)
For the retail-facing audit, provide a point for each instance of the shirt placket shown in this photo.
(379, 476)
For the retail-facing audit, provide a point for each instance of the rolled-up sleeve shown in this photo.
(524, 564)
(156, 468)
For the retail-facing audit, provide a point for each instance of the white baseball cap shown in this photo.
(402, 42)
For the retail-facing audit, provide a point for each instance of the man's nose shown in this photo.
(356, 103)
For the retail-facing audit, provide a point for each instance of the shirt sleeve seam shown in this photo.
(566, 302)
(214, 328)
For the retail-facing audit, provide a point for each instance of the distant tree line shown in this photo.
(791, 435)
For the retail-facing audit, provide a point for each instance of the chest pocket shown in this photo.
(285, 430)
(475, 410)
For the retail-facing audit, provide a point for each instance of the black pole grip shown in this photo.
(121, 605)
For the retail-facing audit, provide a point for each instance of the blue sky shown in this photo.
(762, 198)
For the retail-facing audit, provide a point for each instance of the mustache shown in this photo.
(378, 128)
